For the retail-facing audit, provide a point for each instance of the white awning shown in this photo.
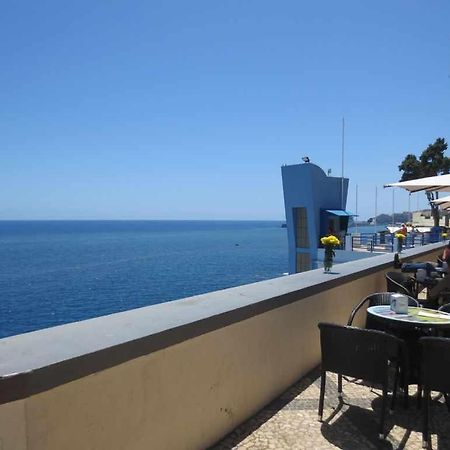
(445, 199)
(443, 202)
(437, 183)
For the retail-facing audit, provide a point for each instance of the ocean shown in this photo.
(367, 229)
(56, 272)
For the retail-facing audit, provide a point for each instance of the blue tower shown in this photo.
(315, 206)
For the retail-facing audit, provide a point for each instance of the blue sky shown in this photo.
(187, 110)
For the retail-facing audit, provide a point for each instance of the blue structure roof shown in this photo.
(340, 212)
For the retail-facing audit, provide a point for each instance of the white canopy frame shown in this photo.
(431, 186)
(439, 183)
(443, 203)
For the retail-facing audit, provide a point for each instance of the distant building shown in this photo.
(315, 206)
(424, 218)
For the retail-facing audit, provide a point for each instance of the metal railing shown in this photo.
(385, 242)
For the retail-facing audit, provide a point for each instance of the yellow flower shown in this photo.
(330, 241)
(400, 236)
(444, 235)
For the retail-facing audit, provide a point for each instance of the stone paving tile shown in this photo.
(290, 422)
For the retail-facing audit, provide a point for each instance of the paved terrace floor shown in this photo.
(290, 422)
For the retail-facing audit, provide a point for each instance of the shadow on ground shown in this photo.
(290, 422)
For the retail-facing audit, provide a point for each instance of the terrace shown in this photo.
(290, 422)
(200, 372)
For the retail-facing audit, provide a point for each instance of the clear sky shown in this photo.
(187, 109)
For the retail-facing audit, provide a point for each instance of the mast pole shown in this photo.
(342, 168)
(393, 208)
(376, 206)
(409, 207)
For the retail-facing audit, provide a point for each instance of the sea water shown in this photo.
(55, 272)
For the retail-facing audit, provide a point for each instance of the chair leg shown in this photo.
(394, 392)
(426, 405)
(447, 401)
(323, 379)
(339, 385)
(419, 395)
(381, 434)
(404, 384)
(406, 395)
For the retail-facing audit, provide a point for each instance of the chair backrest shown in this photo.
(357, 352)
(378, 298)
(435, 363)
(399, 282)
(445, 308)
(421, 275)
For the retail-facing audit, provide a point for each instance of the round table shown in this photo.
(416, 317)
(410, 327)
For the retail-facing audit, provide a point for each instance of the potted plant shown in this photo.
(400, 238)
(329, 242)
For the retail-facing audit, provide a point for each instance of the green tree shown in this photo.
(431, 162)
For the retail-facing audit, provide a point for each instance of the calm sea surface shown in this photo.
(367, 229)
(55, 272)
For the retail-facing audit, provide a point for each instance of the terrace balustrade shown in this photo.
(180, 374)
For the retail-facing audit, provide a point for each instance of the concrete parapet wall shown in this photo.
(178, 375)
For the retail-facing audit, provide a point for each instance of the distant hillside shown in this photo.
(385, 219)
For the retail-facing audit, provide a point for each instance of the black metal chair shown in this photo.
(384, 298)
(379, 298)
(435, 375)
(445, 308)
(401, 283)
(360, 353)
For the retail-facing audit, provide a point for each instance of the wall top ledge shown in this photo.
(34, 362)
